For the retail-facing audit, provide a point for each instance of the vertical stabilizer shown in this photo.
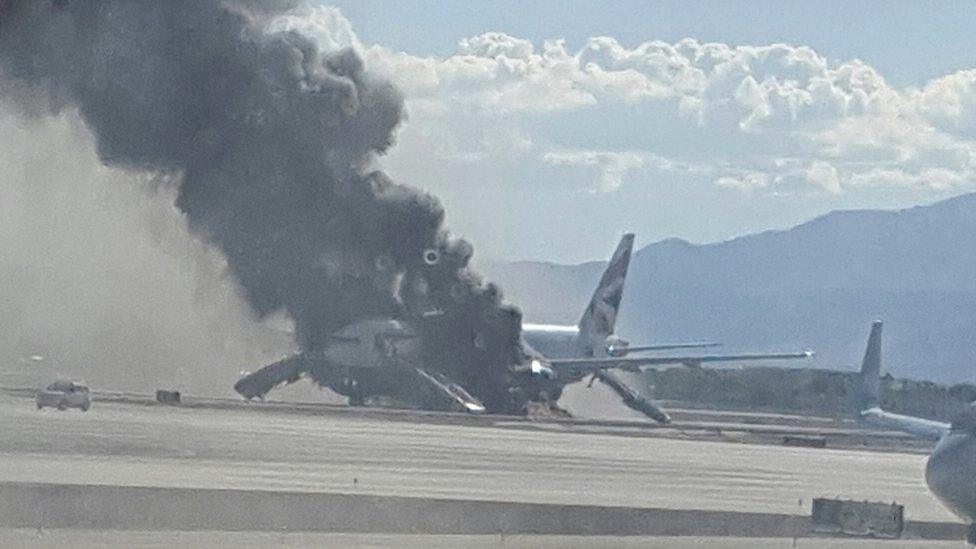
(869, 383)
(601, 314)
(868, 397)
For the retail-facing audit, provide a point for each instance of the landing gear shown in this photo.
(349, 386)
(971, 534)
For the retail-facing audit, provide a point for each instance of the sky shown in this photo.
(548, 128)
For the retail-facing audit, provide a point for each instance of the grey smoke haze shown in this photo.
(101, 278)
(270, 145)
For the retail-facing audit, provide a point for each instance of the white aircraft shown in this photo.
(951, 469)
(567, 354)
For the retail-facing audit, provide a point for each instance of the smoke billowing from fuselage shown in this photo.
(272, 143)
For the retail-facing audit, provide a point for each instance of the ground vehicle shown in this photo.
(63, 395)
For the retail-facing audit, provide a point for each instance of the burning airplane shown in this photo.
(383, 358)
(272, 143)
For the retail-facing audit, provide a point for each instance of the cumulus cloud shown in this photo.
(752, 106)
(949, 102)
(783, 131)
(823, 175)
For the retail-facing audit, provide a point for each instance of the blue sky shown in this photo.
(548, 128)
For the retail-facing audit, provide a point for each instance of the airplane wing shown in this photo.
(627, 349)
(631, 398)
(594, 364)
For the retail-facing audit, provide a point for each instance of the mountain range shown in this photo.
(816, 286)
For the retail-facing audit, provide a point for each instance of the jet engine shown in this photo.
(431, 256)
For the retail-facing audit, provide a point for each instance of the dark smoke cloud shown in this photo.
(273, 143)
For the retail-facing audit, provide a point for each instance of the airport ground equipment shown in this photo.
(858, 518)
(63, 395)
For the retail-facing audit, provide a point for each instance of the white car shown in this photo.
(63, 395)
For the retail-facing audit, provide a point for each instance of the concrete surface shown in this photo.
(83, 539)
(125, 445)
(325, 455)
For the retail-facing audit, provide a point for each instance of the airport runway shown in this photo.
(117, 444)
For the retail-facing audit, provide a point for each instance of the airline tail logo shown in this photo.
(600, 317)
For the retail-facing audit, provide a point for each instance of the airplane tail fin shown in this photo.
(600, 317)
(868, 395)
(869, 383)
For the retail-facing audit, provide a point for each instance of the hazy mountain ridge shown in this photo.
(817, 285)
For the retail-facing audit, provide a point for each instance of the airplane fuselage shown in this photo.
(555, 341)
(951, 473)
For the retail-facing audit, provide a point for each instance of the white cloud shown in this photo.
(933, 178)
(771, 117)
(823, 175)
(752, 105)
(950, 101)
(612, 166)
(496, 45)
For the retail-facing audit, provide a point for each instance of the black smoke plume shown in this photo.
(272, 143)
